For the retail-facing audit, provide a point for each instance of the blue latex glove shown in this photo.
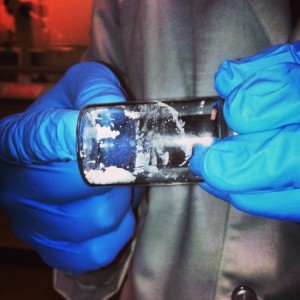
(72, 226)
(258, 170)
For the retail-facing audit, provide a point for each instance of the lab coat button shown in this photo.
(243, 292)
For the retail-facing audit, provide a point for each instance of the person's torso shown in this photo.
(194, 246)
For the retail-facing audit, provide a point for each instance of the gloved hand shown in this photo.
(258, 170)
(72, 226)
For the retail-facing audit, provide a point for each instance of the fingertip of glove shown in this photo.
(97, 83)
(231, 73)
(195, 163)
(223, 77)
(67, 138)
(220, 163)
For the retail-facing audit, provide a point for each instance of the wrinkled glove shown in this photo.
(72, 226)
(258, 170)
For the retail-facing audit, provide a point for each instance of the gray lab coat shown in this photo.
(192, 245)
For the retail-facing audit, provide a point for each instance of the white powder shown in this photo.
(105, 132)
(110, 175)
(132, 114)
(153, 144)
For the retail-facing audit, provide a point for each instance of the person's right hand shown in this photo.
(72, 226)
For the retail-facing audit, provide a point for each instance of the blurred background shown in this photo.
(39, 40)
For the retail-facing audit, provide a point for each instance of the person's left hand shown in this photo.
(258, 170)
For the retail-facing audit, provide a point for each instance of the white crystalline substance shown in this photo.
(109, 175)
(159, 135)
(152, 144)
(105, 132)
(132, 114)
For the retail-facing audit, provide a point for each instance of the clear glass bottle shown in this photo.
(145, 143)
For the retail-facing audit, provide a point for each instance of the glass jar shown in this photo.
(145, 143)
